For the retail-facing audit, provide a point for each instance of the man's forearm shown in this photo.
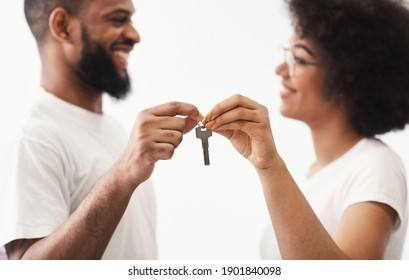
(87, 232)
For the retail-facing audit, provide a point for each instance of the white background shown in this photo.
(197, 51)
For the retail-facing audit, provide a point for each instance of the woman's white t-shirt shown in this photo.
(369, 171)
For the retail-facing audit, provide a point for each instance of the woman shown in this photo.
(346, 75)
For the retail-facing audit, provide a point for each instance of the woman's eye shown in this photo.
(299, 60)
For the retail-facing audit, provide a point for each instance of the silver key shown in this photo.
(204, 134)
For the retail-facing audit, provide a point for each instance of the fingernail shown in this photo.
(209, 117)
(209, 125)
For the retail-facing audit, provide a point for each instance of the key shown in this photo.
(204, 134)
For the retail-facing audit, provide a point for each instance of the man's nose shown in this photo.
(132, 34)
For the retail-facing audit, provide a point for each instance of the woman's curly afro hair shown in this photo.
(363, 46)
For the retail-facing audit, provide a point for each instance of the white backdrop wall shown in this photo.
(197, 51)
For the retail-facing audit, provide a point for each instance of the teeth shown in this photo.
(122, 55)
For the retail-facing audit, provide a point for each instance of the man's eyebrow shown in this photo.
(118, 12)
(304, 47)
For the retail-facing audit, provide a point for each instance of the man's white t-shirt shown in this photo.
(49, 164)
(370, 171)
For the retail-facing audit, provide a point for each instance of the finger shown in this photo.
(171, 123)
(182, 124)
(244, 126)
(256, 131)
(228, 104)
(226, 133)
(163, 151)
(175, 108)
(172, 137)
(189, 124)
(239, 114)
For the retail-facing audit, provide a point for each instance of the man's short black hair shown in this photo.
(363, 46)
(37, 13)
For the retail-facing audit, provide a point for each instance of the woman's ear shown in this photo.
(59, 25)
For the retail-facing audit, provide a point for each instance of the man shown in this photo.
(71, 187)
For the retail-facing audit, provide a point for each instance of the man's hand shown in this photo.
(156, 134)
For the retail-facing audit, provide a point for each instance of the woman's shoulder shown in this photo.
(374, 152)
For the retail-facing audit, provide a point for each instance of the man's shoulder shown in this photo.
(31, 123)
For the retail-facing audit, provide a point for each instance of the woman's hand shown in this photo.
(246, 124)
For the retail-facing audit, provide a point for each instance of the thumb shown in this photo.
(190, 124)
(228, 133)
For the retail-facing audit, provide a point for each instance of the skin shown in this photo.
(365, 228)
(156, 134)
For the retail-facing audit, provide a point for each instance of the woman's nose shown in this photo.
(282, 70)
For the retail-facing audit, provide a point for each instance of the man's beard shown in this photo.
(98, 69)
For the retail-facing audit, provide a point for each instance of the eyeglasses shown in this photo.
(292, 61)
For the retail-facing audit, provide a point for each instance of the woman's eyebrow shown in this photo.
(304, 47)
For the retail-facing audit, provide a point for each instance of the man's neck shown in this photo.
(71, 88)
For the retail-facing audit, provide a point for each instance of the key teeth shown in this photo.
(206, 156)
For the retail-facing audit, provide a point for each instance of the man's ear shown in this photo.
(59, 24)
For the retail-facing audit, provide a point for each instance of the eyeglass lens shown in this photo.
(289, 60)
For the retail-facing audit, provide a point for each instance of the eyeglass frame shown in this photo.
(291, 60)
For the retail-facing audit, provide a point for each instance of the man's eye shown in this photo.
(119, 21)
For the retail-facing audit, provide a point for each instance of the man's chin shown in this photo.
(119, 94)
(123, 74)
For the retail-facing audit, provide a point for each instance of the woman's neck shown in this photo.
(332, 139)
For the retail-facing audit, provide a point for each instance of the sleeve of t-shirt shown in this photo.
(34, 198)
(380, 180)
